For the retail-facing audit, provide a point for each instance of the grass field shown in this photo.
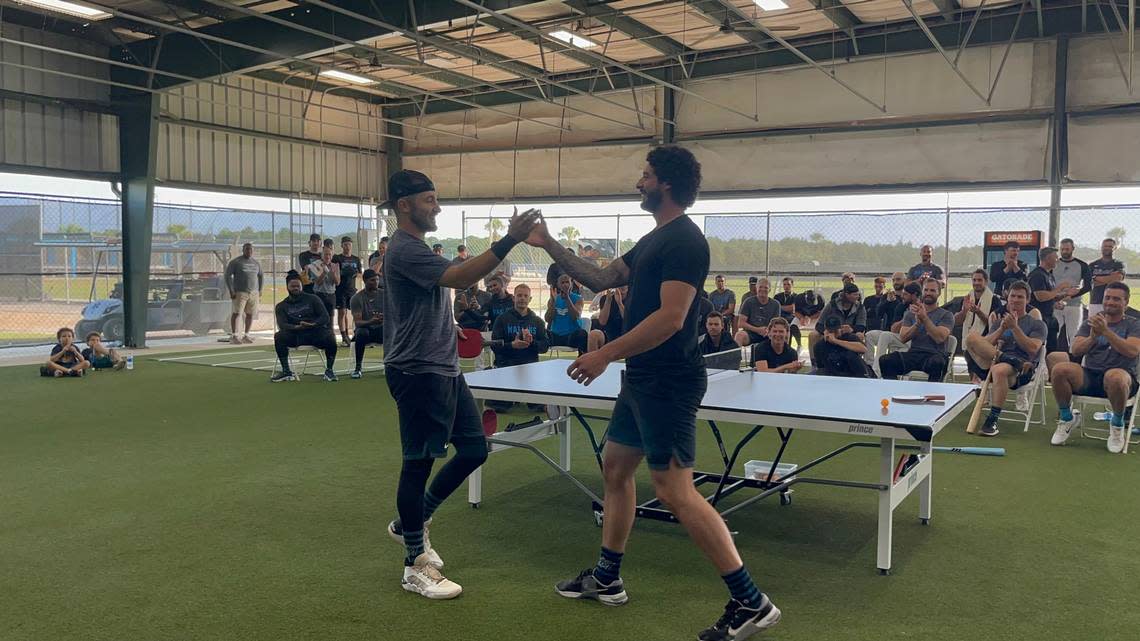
(182, 502)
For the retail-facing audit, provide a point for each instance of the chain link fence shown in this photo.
(61, 263)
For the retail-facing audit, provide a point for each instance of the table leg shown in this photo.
(564, 439)
(475, 487)
(925, 490)
(886, 472)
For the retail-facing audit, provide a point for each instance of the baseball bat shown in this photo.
(972, 426)
(978, 451)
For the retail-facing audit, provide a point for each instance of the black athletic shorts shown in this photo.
(656, 412)
(369, 334)
(343, 295)
(1094, 384)
(577, 340)
(330, 302)
(434, 410)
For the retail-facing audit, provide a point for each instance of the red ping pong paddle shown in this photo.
(470, 343)
(490, 422)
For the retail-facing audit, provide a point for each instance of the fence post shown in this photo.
(767, 243)
(273, 266)
(946, 259)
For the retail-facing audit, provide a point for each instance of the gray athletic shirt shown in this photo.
(419, 326)
(244, 275)
(921, 341)
(1101, 357)
(1030, 326)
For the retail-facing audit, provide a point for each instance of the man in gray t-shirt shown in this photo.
(755, 314)
(421, 363)
(927, 327)
(1109, 342)
(244, 281)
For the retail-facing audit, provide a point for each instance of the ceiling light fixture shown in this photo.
(573, 39)
(771, 5)
(347, 77)
(69, 8)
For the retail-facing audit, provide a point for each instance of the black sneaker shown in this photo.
(585, 586)
(329, 376)
(739, 622)
(989, 428)
(282, 377)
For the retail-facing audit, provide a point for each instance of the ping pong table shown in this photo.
(784, 402)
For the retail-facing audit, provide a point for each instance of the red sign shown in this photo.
(998, 238)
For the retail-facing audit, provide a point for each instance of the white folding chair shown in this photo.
(951, 347)
(1101, 433)
(1034, 393)
(307, 350)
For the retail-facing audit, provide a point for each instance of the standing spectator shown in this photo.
(787, 301)
(775, 355)
(310, 255)
(244, 281)
(755, 314)
(376, 258)
(350, 266)
(325, 277)
(460, 254)
(1109, 343)
(716, 337)
(437, 249)
(562, 313)
(837, 343)
(925, 268)
(1009, 268)
(891, 300)
(723, 300)
(522, 333)
(926, 327)
(1047, 294)
(611, 313)
(1105, 270)
(498, 301)
(848, 278)
(65, 358)
(99, 355)
(1071, 269)
(872, 303)
(302, 319)
(975, 315)
(1008, 351)
(752, 280)
(367, 307)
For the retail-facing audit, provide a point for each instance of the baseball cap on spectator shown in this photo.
(752, 280)
(346, 239)
(369, 273)
(437, 246)
(850, 288)
(914, 289)
(404, 183)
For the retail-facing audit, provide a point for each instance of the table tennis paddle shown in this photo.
(920, 398)
(470, 343)
(490, 422)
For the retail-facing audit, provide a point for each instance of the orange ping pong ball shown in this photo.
(885, 402)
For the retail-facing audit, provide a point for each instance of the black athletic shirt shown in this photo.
(1042, 280)
(350, 266)
(676, 251)
(764, 352)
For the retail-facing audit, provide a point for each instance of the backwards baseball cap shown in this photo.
(292, 275)
(404, 183)
(346, 239)
(369, 273)
(914, 289)
(850, 288)
(752, 280)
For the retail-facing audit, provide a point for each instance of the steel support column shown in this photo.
(138, 144)
(1059, 156)
(669, 109)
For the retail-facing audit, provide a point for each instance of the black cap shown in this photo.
(313, 237)
(404, 183)
(346, 239)
(369, 273)
(850, 288)
(292, 275)
(752, 280)
(437, 246)
(914, 289)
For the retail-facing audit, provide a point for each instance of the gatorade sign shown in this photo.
(1032, 239)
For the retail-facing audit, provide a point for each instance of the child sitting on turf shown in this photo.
(99, 355)
(65, 359)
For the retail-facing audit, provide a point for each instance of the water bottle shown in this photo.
(745, 353)
(1103, 416)
(130, 361)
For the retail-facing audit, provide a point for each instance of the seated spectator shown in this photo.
(99, 355)
(469, 308)
(723, 300)
(974, 315)
(925, 268)
(926, 327)
(809, 305)
(881, 341)
(1008, 350)
(837, 341)
(716, 337)
(521, 332)
(755, 314)
(1109, 343)
(1009, 268)
(554, 272)
(367, 306)
(848, 278)
(611, 317)
(499, 300)
(324, 274)
(65, 358)
(787, 301)
(775, 354)
(704, 308)
(563, 310)
(872, 303)
(302, 319)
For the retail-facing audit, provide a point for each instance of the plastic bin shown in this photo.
(759, 470)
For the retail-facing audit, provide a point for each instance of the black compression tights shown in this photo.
(414, 476)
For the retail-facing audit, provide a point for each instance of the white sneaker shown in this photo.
(425, 580)
(1115, 441)
(433, 556)
(1065, 428)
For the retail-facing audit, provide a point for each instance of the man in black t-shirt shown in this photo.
(611, 313)
(1009, 268)
(307, 257)
(787, 300)
(1105, 270)
(715, 339)
(500, 300)
(871, 303)
(350, 267)
(656, 411)
(776, 355)
(1047, 294)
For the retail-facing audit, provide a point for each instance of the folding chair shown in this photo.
(1034, 393)
(947, 377)
(1101, 433)
(308, 351)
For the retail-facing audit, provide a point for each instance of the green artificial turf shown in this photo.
(184, 503)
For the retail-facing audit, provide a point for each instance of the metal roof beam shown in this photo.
(645, 35)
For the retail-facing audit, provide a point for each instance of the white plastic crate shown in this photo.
(759, 470)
